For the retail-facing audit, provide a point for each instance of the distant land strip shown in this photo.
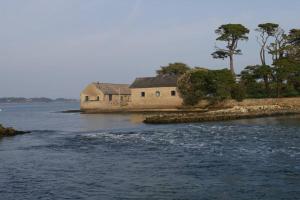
(34, 100)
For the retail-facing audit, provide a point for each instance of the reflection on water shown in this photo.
(105, 121)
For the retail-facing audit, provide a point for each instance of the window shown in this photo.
(173, 93)
(98, 98)
(86, 98)
(110, 97)
(157, 93)
(143, 94)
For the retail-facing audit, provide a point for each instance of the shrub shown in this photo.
(238, 92)
(213, 85)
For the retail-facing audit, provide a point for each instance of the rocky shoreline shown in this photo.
(234, 113)
(8, 132)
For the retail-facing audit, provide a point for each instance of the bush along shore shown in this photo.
(237, 112)
(7, 132)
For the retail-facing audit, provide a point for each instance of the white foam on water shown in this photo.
(114, 136)
(194, 145)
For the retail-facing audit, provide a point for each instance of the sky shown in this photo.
(54, 48)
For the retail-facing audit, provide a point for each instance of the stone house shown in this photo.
(158, 92)
(105, 96)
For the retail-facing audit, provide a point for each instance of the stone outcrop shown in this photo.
(6, 132)
(236, 112)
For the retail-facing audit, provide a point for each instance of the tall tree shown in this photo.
(266, 31)
(176, 68)
(231, 34)
(277, 47)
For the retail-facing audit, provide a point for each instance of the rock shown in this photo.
(7, 132)
(234, 113)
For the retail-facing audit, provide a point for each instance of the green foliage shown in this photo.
(232, 32)
(294, 37)
(238, 92)
(190, 90)
(261, 74)
(293, 45)
(219, 84)
(267, 28)
(286, 75)
(212, 85)
(220, 54)
(281, 80)
(173, 69)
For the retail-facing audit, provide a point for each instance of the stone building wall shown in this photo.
(98, 101)
(105, 104)
(153, 100)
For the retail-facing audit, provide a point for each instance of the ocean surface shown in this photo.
(75, 156)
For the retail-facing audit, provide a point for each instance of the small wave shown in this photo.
(113, 136)
(44, 131)
(197, 146)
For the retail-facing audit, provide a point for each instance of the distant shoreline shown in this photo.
(34, 100)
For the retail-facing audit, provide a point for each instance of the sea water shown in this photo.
(112, 156)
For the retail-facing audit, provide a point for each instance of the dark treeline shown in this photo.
(279, 78)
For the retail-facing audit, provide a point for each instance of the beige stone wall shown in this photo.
(92, 92)
(164, 100)
(117, 101)
(295, 101)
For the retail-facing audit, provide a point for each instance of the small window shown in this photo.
(110, 97)
(143, 94)
(157, 93)
(173, 93)
(98, 98)
(86, 98)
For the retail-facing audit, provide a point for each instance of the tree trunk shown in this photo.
(263, 51)
(231, 64)
(262, 56)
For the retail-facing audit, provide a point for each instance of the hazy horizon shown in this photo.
(54, 48)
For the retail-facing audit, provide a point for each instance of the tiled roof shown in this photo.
(110, 88)
(158, 81)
